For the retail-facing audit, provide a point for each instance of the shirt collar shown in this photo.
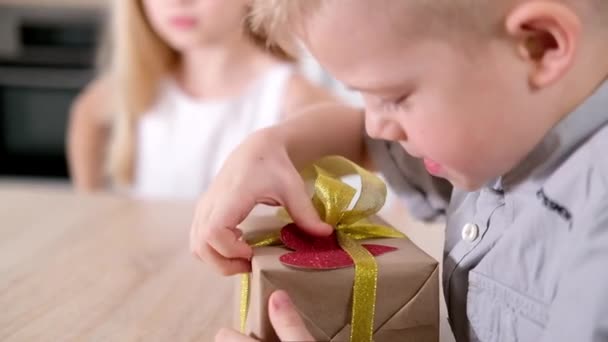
(560, 142)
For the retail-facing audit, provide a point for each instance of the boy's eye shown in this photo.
(395, 103)
(400, 100)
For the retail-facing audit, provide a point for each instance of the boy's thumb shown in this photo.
(286, 321)
(304, 215)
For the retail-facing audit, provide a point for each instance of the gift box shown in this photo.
(407, 295)
(346, 287)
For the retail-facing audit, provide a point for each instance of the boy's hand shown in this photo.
(259, 171)
(285, 320)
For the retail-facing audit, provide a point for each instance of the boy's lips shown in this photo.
(432, 167)
(184, 22)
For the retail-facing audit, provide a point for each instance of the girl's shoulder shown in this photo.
(94, 101)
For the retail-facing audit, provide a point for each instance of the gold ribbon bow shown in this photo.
(332, 198)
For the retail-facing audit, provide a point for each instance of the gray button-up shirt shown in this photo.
(526, 258)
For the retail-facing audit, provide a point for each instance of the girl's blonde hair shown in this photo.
(136, 60)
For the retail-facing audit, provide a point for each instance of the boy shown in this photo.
(507, 100)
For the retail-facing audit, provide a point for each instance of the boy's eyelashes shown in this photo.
(388, 101)
(394, 103)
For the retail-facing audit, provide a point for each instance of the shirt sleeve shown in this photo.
(580, 309)
(426, 196)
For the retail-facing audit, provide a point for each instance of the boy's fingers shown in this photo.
(229, 245)
(229, 335)
(286, 321)
(201, 216)
(221, 229)
(225, 265)
(302, 211)
(237, 232)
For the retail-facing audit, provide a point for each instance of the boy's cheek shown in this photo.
(408, 147)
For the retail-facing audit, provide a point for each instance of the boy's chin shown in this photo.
(465, 184)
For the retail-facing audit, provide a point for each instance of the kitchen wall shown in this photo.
(47, 54)
(56, 3)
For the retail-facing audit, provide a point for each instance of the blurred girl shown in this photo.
(186, 82)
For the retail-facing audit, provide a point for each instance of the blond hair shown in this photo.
(137, 60)
(276, 18)
(273, 19)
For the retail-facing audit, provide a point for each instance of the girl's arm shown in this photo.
(88, 133)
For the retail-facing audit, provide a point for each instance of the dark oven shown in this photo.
(46, 58)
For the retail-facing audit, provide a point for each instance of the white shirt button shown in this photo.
(470, 232)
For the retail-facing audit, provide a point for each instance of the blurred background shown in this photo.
(48, 53)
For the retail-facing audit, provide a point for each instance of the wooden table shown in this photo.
(102, 268)
(105, 268)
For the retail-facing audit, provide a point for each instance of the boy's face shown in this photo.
(469, 115)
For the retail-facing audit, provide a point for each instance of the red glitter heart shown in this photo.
(319, 252)
(296, 239)
(328, 259)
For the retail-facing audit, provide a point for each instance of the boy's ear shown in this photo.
(546, 34)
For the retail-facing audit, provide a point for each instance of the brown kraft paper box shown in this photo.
(407, 298)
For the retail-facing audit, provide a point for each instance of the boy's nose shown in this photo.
(381, 128)
(183, 2)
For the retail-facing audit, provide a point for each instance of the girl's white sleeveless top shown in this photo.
(182, 142)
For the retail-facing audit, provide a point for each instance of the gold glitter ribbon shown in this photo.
(332, 198)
